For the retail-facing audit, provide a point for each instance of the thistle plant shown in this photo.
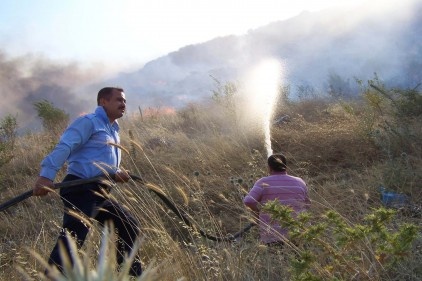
(328, 247)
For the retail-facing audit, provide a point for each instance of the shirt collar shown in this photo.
(100, 112)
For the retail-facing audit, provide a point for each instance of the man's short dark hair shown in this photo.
(106, 93)
(277, 162)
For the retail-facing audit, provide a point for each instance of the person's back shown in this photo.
(288, 190)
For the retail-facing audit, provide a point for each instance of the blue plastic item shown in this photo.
(393, 199)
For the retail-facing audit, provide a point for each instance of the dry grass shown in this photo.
(205, 166)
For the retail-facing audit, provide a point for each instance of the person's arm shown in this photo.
(253, 199)
(75, 135)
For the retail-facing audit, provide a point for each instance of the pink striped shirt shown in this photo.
(289, 190)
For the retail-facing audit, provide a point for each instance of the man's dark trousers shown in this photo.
(89, 199)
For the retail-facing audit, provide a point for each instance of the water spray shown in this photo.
(264, 87)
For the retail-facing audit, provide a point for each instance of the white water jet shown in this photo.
(264, 86)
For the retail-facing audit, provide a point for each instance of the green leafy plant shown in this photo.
(331, 248)
(225, 95)
(54, 120)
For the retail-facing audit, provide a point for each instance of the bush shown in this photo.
(54, 120)
(331, 248)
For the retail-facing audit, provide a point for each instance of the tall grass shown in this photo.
(205, 163)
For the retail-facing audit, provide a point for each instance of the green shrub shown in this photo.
(54, 120)
(392, 121)
(331, 248)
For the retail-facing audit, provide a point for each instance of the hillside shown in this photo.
(205, 158)
(319, 50)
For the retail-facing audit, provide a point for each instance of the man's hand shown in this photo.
(122, 176)
(42, 186)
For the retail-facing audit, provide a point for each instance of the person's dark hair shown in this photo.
(106, 93)
(277, 162)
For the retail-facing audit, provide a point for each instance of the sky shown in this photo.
(58, 49)
(126, 34)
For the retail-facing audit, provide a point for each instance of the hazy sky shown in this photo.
(128, 33)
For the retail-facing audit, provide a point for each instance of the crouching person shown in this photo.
(278, 185)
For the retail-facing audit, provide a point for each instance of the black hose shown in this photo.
(182, 216)
(60, 185)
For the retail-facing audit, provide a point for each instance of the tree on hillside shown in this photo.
(54, 120)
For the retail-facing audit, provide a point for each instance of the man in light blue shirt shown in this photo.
(90, 148)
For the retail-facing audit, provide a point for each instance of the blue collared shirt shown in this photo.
(87, 146)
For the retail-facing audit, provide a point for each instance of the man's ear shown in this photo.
(101, 102)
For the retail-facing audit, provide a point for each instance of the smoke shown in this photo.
(315, 48)
(27, 79)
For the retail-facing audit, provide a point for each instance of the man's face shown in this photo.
(115, 107)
